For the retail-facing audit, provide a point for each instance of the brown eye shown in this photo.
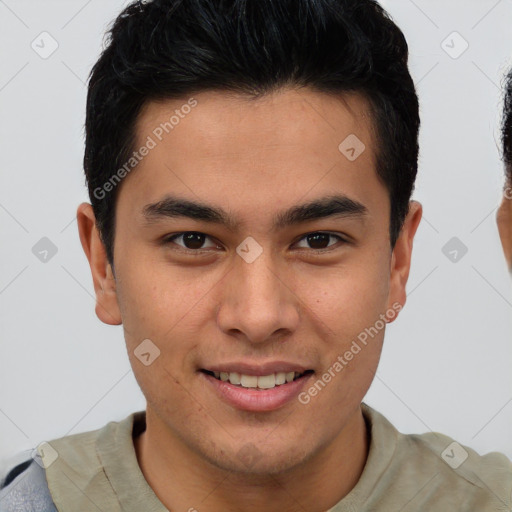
(320, 240)
(191, 240)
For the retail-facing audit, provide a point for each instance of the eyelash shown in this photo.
(170, 239)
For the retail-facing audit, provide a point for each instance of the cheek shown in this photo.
(346, 309)
(349, 299)
(155, 299)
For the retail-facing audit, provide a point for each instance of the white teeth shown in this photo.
(267, 382)
(280, 378)
(253, 381)
(249, 381)
(234, 378)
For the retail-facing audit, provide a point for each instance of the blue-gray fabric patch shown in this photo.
(28, 492)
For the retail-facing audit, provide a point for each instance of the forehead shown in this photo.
(276, 120)
(227, 148)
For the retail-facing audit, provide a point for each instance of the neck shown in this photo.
(183, 480)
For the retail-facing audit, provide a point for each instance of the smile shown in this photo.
(269, 381)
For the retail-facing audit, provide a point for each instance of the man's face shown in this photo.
(256, 298)
(505, 224)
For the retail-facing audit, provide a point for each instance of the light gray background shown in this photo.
(446, 364)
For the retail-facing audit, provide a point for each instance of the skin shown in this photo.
(253, 158)
(504, 219)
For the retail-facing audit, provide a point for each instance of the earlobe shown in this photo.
(401, 258)
(107, 307)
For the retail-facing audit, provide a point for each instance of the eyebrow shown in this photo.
(339, 206)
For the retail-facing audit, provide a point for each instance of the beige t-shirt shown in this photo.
(98, 471)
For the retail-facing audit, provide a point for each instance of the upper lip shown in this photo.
(259, 370)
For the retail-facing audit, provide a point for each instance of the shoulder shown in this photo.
(25, 489)
(433, 471)
(460, 460)
(452, 469)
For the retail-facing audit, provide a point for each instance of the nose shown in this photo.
(258, 302)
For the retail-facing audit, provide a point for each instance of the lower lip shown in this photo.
(251, 399)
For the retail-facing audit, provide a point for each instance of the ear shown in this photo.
(107, 308)
(401, 257)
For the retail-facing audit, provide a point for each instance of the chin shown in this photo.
(251, 460)
(253, 457)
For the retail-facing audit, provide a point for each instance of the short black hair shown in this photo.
(506, 128)
(168, 49)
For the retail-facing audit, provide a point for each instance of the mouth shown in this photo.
(258, 382)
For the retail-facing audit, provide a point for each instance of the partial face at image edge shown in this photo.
(504, 219)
